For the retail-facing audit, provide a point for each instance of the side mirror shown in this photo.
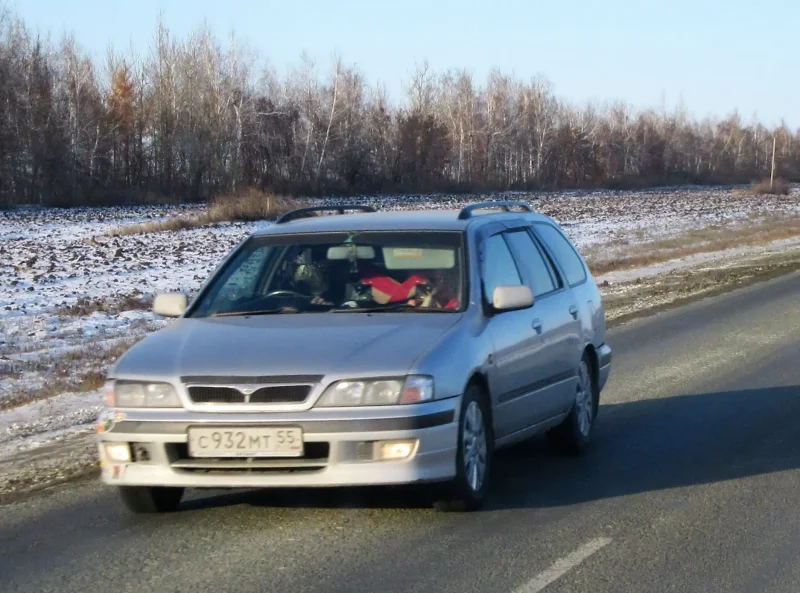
(512, 298)
(171, 304)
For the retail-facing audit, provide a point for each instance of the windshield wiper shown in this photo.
(247, 313)
(403, 307)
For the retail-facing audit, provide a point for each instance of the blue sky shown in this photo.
(713, 55)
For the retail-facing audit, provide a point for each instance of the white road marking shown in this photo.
(563, 565)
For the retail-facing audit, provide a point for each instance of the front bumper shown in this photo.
(333, 456)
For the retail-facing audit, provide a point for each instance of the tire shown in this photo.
(467, 491)
(574, 434)
(148, 499)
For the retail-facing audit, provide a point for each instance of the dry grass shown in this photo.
(780, 187)
(84, 307)
(714, 238)
(74, 371)
(645, 296)
(248, 206)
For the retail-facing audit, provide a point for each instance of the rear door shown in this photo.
(552, 320)
(573, 273)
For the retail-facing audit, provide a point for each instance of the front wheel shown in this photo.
(574, 434)
(474, 455)
(150, 499)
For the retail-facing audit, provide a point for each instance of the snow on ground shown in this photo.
(68, 290)
(593, 217)
(43, 421)
(51, 258)
(53, 263)
(44, 267)
(717, 258)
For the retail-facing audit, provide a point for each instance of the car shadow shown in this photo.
(640, 446)
(644, 446)
(658, 444)
(385, 497)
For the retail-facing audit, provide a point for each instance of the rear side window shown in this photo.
(499, 268)
(532, 262)
(564, 253)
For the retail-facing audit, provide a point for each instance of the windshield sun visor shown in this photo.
(418, 258)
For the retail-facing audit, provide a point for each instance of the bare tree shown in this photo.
(197, 117)
(334, 93)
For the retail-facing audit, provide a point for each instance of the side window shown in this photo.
(532, 261)
(499, 268)
(564, 252)
(244, 279)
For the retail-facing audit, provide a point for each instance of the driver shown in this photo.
(313, 277)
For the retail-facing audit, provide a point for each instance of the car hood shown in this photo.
(304, 344)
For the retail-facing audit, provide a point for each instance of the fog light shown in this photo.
(386, 450)
(119, 452)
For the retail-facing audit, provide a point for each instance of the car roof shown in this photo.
(400, 220)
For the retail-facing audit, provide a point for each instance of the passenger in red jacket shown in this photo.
(427, 288)
(441, 293)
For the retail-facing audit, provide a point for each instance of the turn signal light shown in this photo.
(108, 393)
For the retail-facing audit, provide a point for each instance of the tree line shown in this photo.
(195, 118)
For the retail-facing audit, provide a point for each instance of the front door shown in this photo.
(554, 315)
(522, 360)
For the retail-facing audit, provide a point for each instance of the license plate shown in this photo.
(245, 441)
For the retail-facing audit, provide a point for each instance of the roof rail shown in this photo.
(299, 212)
(506, 205)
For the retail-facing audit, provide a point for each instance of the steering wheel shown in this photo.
(287, 293)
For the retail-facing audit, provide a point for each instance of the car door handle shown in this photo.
(537, 326)
(573, 310)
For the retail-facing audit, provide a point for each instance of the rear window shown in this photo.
(563, 251)
(532, 260)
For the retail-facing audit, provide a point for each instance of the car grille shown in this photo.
(274, 394)
(314, 459)
(286, 389)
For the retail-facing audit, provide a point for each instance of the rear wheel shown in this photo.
(150, 499)
(474, 455)
(574, 434)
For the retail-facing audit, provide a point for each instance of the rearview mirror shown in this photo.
(342, 252)
(171, 304)
(512, 298)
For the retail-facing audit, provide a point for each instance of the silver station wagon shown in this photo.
(363, 348)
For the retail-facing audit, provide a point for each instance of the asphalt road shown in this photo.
(692, 485)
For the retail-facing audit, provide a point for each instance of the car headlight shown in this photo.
(132, 394)
(377, 392)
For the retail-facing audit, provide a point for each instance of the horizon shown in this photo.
(577, 76)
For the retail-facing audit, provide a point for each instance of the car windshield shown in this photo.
(376, 271)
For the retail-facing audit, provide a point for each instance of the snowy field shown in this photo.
(72, 297)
